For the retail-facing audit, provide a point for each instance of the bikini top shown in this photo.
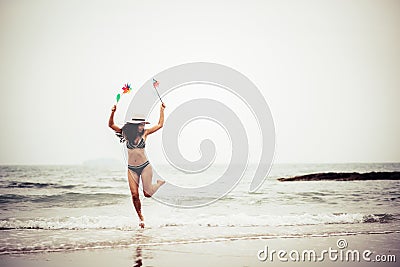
(141, 144)
(130, 145)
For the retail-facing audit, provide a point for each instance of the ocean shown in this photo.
(69, 208)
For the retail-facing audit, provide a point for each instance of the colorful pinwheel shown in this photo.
(126, 89)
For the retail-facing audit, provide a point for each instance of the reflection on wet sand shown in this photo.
(138, 261)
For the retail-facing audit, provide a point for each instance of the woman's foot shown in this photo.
(154, 188)
(141, 222)
(160, 182)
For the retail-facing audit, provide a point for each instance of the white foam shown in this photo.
(232, 220)
(71, 223)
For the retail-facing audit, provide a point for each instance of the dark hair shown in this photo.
(129, 132)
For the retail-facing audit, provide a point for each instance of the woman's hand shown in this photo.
(162, 106)
(111, 120)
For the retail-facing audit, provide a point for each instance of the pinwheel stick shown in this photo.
(159, 95)
(155, 85)
(118, 98)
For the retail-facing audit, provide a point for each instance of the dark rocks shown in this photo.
(344, 176)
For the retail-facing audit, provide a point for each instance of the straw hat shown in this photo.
(138, 118)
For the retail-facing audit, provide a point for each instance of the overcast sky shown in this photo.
(329, 70)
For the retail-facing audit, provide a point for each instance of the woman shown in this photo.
(135, 135)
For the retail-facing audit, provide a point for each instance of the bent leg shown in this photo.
(148, 188)
(133, 180)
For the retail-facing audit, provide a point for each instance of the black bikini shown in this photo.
(138, 169)
(142, 144)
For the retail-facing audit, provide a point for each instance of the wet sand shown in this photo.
(242, 252)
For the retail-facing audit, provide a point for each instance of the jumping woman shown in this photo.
(134, 134)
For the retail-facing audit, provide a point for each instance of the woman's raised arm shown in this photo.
(111, 120)
(160, 122)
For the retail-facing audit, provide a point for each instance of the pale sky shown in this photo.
(329, 70)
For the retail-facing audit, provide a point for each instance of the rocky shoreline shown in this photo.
(344, 176)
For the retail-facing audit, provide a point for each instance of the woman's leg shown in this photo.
(148, 188)
(133, 180)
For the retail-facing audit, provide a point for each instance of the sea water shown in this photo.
(64, 208)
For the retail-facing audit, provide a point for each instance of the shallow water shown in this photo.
(62, 208)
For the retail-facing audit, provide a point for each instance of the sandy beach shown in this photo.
(239, 252)
(235, 133)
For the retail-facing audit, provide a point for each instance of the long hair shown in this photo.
(129, 132)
